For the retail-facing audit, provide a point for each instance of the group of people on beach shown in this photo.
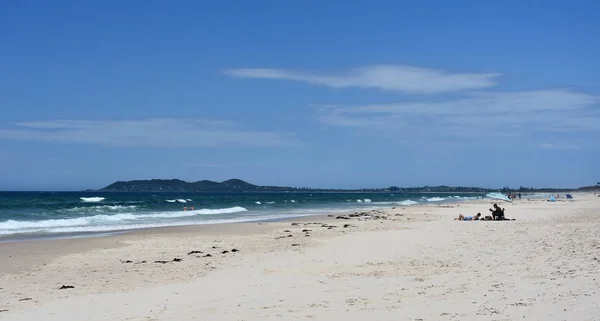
(497, 215)
(513, 196)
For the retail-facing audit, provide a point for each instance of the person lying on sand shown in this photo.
(468, 218)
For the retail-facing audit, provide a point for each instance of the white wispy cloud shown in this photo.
(475, 114)
(385, 77)
(146, 132)
(559, 146)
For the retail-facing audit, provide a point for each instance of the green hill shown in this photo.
(177, 185)
(238, 185)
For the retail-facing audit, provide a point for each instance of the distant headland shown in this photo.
(238, 185)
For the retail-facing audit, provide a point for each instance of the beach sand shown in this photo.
(405, 263)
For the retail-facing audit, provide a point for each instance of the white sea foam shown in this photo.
(367, 200)
(404, 203)
(257, 202)
(104, 221)
(269, 202)
(228, 210)
(498, 196)
(92, 199)
(189, 200)
(435, 199)
(171, 201)
(181, 200)
(359, 201)
(98, 208)
(122, 227)
(292, 201)
(407, 203)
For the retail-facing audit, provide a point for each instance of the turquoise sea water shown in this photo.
(29, 214)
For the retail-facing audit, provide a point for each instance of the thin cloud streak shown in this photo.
(143, 133)
(494, 114)
(558, 146)
(399, 78)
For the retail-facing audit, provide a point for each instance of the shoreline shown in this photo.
(384, 260)
(95, 240)
(45, 236)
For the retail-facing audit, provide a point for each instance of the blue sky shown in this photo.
(300, 93)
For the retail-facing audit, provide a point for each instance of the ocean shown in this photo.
(64, 214)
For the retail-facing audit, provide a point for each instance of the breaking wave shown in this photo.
(435, 199)
(141, 225)
(498, 196)
(106, 221)
(92, 199)
(98, 208)
(403, 203)
(407, 203)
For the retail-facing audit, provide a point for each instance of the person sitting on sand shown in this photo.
(497, 212)
(468, 218)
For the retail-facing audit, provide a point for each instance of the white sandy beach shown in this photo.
(412, 263)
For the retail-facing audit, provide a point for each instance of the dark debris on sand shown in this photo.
(374, 215)
(164, 262)
(66, 287)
